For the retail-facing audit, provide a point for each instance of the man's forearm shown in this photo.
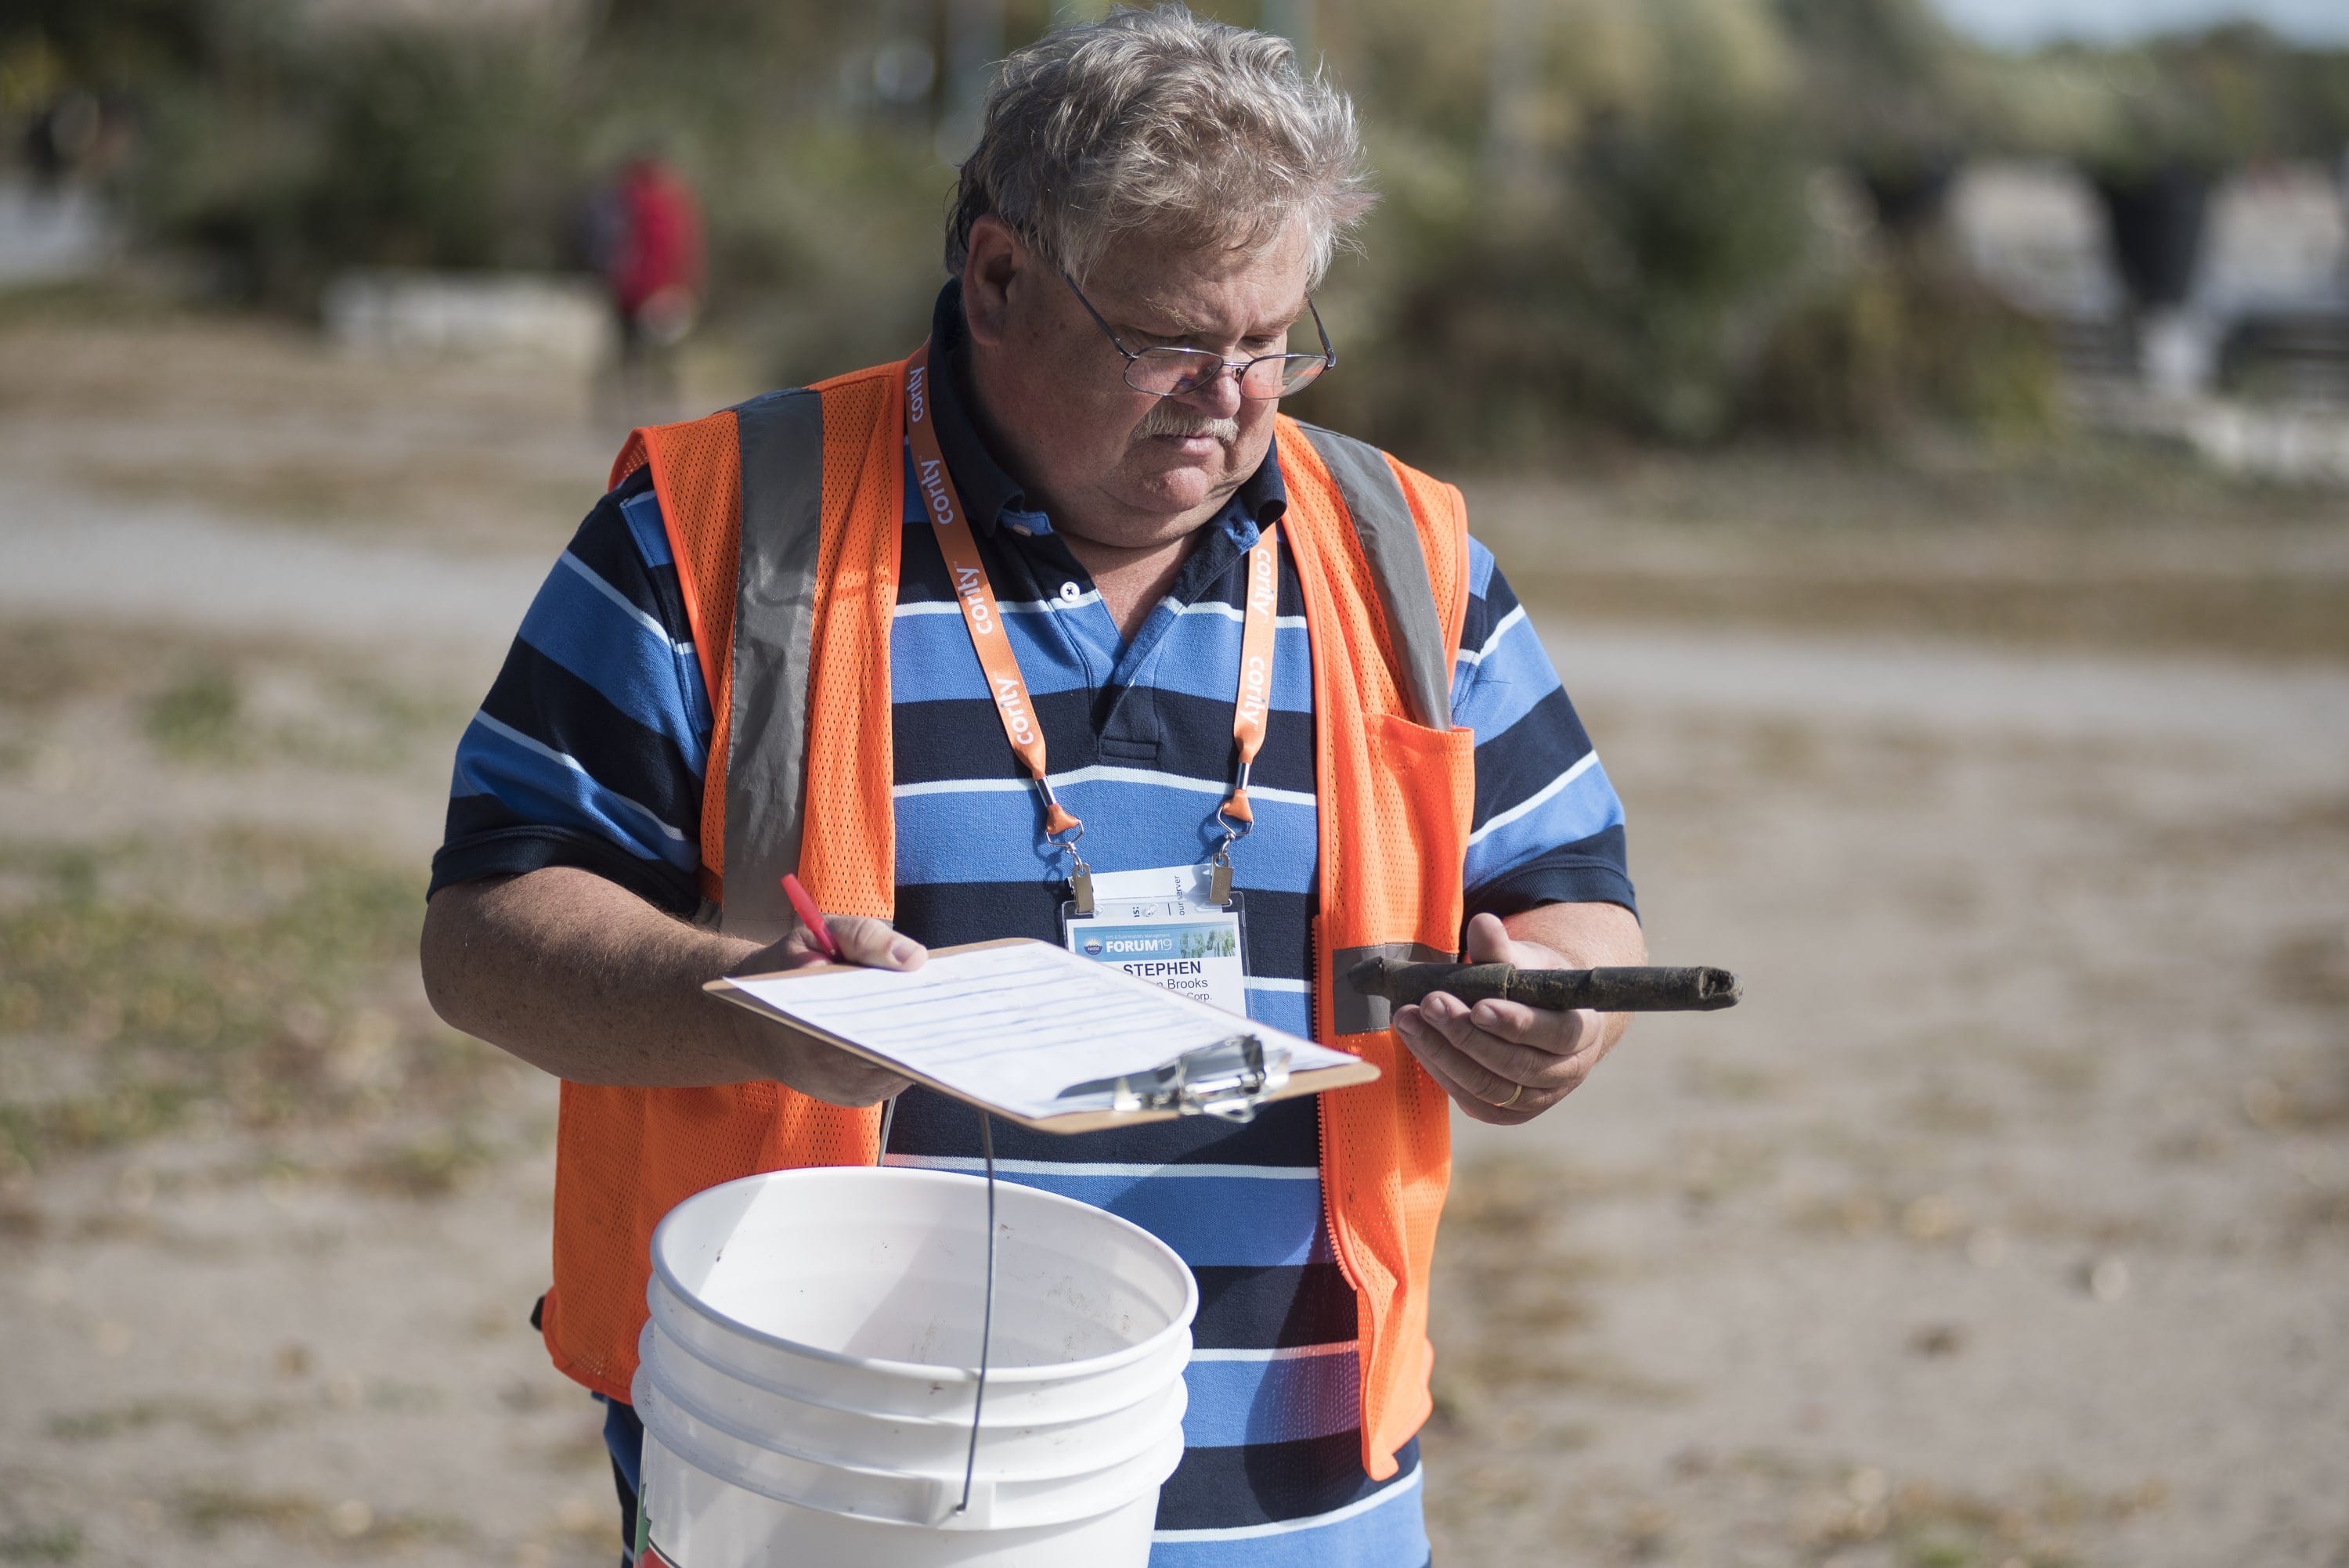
(579, 976)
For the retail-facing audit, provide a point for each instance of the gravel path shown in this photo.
(72, 555)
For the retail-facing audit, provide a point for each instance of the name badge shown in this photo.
(1158, 925)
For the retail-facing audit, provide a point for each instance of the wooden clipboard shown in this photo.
(1312, 1080)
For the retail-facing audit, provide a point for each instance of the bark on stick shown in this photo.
(1631, 990)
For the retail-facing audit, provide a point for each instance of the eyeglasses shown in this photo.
(1172, 372)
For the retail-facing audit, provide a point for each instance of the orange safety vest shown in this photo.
(784, 516)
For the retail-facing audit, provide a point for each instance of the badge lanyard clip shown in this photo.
(1239, 822)
(1062, 830)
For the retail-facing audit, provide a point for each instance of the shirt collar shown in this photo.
(987, 490)
(1262, 497)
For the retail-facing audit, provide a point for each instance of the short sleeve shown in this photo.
(591, 746)
(1547, 827)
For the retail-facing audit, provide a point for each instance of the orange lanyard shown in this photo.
(1249, 710)
(983, 618)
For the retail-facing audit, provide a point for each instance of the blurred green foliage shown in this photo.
(1632, 297)
(1599, 214)
(1903, 341)
(1609, 244)
(296, 154)
(2202, 103)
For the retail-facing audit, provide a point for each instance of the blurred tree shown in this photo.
(113, 44)
(2202, 102)
(1607, 250)
(299, 152)
(1891, 94)
(1909, 338)
(439, 153)
(1635, 299)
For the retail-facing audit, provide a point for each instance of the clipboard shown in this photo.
(1233, 1066)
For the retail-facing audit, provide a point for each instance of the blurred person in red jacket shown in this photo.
(647, 245)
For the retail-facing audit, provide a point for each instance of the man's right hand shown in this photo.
(816, 1067)
(576, 975)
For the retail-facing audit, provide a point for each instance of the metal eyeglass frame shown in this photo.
(1240, 367)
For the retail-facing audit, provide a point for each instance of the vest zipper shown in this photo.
(1330, 1219)
(1321, 1137)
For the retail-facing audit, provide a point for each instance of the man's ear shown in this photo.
(996, 261)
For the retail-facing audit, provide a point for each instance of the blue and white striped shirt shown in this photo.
(590, 751)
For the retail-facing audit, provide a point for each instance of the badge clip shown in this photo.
(1237, 821)
(1061, 830)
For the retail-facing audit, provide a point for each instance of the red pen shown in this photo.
(813, 918)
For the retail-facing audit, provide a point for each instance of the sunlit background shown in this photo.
(1679, 223)
(1921, 434)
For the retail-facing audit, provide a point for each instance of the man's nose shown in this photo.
(1218, 399)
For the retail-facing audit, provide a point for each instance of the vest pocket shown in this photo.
(1423, 784)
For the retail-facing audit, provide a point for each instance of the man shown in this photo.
(1059, 599)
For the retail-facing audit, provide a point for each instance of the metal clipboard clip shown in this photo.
(1227, 1080)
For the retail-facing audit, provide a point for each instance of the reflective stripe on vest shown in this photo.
(1381, 552)
(782, 438)
(1390, 537)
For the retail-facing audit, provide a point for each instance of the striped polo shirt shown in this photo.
(590, 749)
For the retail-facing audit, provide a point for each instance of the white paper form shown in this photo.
(1014, 1025)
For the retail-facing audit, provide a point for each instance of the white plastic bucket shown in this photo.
(809, 1370)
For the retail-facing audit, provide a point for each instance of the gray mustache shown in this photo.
(1171, 419)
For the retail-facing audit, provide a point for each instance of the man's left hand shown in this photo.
(1504, 1062)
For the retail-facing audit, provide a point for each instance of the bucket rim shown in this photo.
(925, 1370)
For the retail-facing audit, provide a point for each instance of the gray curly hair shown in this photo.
(1197, 133)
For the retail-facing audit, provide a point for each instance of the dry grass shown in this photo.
(2310, 969)
(1768, 1507)
(351, 1524)
(121, 397)
(41, 1543)
(208, 1419)
(2090, 545)
(324, 491)
(2261, 616)
(1513, 1305)
(244, 980)
(2089, 485)
(213, 699)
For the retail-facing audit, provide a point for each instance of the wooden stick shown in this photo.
(1645, 990)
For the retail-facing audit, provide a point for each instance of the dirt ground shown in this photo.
(2007, 1223)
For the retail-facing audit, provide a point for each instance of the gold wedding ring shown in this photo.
(1515, 1090)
